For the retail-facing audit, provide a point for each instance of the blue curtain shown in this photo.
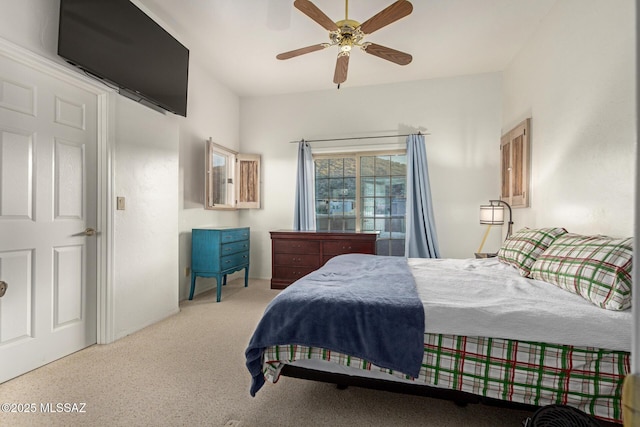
(304, 216)
(421, 240)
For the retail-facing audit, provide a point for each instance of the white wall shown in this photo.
(462, 115)
(157, 166)
(576, 79)
(145, 233)
(32, 24)
(213, 111)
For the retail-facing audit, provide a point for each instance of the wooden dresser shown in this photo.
(218, 251)
(297, 253)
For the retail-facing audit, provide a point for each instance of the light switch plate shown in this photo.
(120, 203)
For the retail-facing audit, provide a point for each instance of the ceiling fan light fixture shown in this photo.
(348, 33)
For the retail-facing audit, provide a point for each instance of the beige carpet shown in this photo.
(189, 371)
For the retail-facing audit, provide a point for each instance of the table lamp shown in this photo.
(493, 214)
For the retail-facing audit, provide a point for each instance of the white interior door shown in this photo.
(48, 170)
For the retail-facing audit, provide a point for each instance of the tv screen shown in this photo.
(116, 41)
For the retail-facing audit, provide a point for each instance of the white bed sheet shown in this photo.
(484, 297)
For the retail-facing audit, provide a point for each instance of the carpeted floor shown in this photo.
(188, 370)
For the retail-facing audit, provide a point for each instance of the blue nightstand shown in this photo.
(218, 251)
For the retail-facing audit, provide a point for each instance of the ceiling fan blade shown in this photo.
(312, 11)
(396, 11)
(302, 51)
(387, 53)
(342, 65)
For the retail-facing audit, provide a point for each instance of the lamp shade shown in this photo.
(491, 214)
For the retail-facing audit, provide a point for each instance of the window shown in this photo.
(233, 179)
(363, 192)
(514, 171)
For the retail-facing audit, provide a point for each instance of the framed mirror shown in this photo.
(232, 179)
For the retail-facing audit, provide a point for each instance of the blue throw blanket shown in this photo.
(361, 305)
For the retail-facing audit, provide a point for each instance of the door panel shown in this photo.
(48, 197)
(16, 307)
(16, 179)
(68, 285)
(69, 180)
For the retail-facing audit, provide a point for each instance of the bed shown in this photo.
(545, 322)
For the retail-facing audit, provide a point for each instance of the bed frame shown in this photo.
(342, 381)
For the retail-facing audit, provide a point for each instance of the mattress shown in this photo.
(486, 298)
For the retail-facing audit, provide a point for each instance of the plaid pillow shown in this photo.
(524, 246)
(598, 268)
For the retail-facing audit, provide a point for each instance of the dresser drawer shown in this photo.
(296, 246)
(347, 247)
(234, 247)
(296, 260)
(234, 235)
(234, 260)
(291, 274)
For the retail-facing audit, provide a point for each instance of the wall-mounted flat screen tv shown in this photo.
(117, 42)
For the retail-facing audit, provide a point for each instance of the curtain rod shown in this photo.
(358, 137)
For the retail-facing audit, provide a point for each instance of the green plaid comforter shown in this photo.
(589, 379)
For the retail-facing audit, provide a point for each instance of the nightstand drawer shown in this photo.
(296, 260)
(234, 260)
(234, 235)
(234, 247)
(296, 246)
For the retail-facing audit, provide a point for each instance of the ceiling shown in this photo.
(238, 40)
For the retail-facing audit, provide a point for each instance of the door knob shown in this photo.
(3, 288)
(87, 232)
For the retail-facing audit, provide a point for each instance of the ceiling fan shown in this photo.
(347, 34)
